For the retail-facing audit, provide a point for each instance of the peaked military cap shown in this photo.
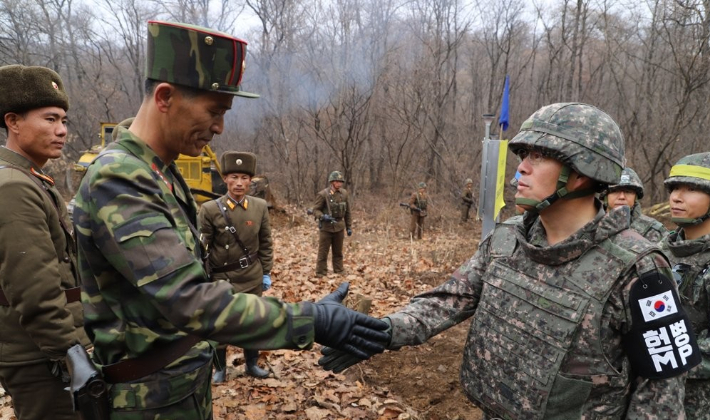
(27, 88)
(238, 162)
(196, 57)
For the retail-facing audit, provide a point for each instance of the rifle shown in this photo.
(405, 205)
(88, 387)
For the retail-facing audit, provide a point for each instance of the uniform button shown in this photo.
(226, 247)
(66, 258)
(301, 340)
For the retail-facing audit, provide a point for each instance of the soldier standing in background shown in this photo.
(150, 308)
(418, 203)
(628, 192)
(236, 233)
(689, 251)
(466, 200)
(332, 210)
(574, 314)
(40, 312)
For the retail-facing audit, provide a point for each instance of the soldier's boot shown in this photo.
(220, 373)
(252, 369)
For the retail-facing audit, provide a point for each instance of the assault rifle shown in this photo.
(406, 205)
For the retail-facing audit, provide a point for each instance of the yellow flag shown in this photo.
(500, 182)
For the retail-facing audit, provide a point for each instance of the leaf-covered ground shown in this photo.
(382, 264)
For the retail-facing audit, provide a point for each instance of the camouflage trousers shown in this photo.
(36, 393)
(186, 397)
(327, 240)
(416, 225)
(697, 399)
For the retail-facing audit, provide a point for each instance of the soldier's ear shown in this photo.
(11, 120)
(164, 96)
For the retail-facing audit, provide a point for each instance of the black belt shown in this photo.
(243, 262)
(73, 295)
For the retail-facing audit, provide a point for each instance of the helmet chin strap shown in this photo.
(562, 192)
(687, 221)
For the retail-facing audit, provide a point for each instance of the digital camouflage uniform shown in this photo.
(332, 234)
(691, 268)
(466, 200)
(558, 331)
(648, 227)
(37, 264)
(127, 217)
(418, 203)
(582, 363)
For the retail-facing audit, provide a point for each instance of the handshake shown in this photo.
(349, 336)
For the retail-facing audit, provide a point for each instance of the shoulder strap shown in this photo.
(327, 200)
(231, 228)
(52, 199)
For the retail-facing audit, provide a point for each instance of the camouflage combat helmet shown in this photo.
(422, 185)
(196, 57)
(336, 176)
(629, 181)
(691, 170)
(584, 138)
(468, 181)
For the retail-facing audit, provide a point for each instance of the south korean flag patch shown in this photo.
(661, 343)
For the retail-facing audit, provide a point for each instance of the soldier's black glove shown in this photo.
(345, 329)
(327, 218)
(338, 361)
(350, 232)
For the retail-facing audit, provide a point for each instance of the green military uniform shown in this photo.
(131, 209)
(418, 203)
(466, 200)
(691, 268)
(332, 233)
(243, 269)
(145, 291)
(40, 312)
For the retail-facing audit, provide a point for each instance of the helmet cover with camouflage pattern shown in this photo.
(336, 176)
(422, 185)
(468, 181)
(579, 135)
(629, 181)
(25, 88)
(691, 170)
(196, 57)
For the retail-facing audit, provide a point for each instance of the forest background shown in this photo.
(391, 92)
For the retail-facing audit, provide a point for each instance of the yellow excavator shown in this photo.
(202, 173)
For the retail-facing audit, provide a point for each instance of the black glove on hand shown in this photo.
(350, 232)
(345, 329)
(338, 361)
(327, 218)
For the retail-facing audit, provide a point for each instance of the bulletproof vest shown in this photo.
(421, 201)
(644, 225)
(691, 270)
(338, 208)
(528, 319)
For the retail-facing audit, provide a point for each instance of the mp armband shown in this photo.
(661, 343)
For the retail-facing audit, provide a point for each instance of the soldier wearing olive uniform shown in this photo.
(628, 192)
(332, 210)
(40, 312)
(150, 308)
(573, 314)
(466, 200)
(689, 251)
(418, 203)
(236, 233)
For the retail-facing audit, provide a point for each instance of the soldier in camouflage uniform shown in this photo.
(466, 200)
(627, 192)
(574, 314)
(332, 210)
(40, 312)
(689, 251)
(150, 308)
(418, 203)
(235, 230)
